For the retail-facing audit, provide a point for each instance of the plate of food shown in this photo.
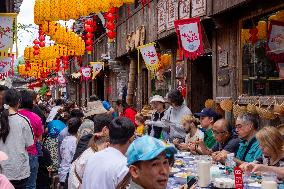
(181, 177)
(183, 154)
(174, 170)
(179, 162)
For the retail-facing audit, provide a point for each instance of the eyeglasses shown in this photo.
(218, 133)
(239, 126)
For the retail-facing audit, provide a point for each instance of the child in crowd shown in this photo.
(139, 121)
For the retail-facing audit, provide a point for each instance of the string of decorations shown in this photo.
(54, 10)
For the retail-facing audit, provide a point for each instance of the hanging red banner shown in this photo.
(190, 37)
(275, 44)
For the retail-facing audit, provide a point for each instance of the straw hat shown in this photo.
(3, 156)
(94, 108)
(157, 98)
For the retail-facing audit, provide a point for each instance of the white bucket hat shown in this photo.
(157, 98)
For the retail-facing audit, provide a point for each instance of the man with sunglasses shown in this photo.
(226, 141)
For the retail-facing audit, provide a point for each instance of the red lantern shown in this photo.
(110, 26)
(89, 22)
(89, 29)
(42, 44)
(89, 42)
(110, 17)
(41, 38)
(112, 10)
(65, 58)
(36, 52)
(111, 34)
(89, 48)
(36, 47)
(36, 42)
(89, 35)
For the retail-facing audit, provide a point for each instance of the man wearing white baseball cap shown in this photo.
(148, 161)
(4, 182)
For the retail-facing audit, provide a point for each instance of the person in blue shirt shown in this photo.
(249, 149)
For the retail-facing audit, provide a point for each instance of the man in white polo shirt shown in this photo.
(107, 168)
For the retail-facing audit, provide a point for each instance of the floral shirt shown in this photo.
(67, 151)
(51, 144)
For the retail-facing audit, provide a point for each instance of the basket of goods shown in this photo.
(226, 105)
(279, 109)
(251, 108)
(209, 103)
(147, 111)
(266, 113)
(238, 110)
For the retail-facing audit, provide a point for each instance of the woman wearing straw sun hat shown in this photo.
(4, 182)
(158, 104)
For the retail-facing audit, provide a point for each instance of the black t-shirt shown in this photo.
(157, 130)
(232, 145)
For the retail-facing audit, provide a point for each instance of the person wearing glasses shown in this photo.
(225, 141)
(249, 148)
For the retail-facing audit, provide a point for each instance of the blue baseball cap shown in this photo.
(147, 148)
(207, 112)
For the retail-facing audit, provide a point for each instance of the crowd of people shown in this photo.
(107, 147)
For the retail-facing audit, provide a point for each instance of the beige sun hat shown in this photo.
(157, 98)
(94, 108)
(3, 156)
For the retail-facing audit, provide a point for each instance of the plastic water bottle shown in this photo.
(230, 161)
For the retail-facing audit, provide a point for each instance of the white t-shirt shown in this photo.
(198, 135)
(105, 170)
(79, 166)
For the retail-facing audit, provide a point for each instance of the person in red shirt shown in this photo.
(124, 110)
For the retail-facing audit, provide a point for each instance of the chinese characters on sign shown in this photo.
(275, 46)
(162, 18)
(6, 33)
(184, 9)
(172, 13)
(238, 173)
(198, 8)
(6, 66)
(190, 37)
(150, 56)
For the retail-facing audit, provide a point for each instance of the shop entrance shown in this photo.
(201, 82)
(100, 86)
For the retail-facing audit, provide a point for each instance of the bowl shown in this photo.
(181, 178)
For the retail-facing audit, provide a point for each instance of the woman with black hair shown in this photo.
(68, 148)
(15, 136)
(34, 150)
(124, 110)
(172, 120)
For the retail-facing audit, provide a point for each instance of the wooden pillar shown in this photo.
(139, 91)
(173, 68)
(188, 82)
(131, 81)
(149, 85)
